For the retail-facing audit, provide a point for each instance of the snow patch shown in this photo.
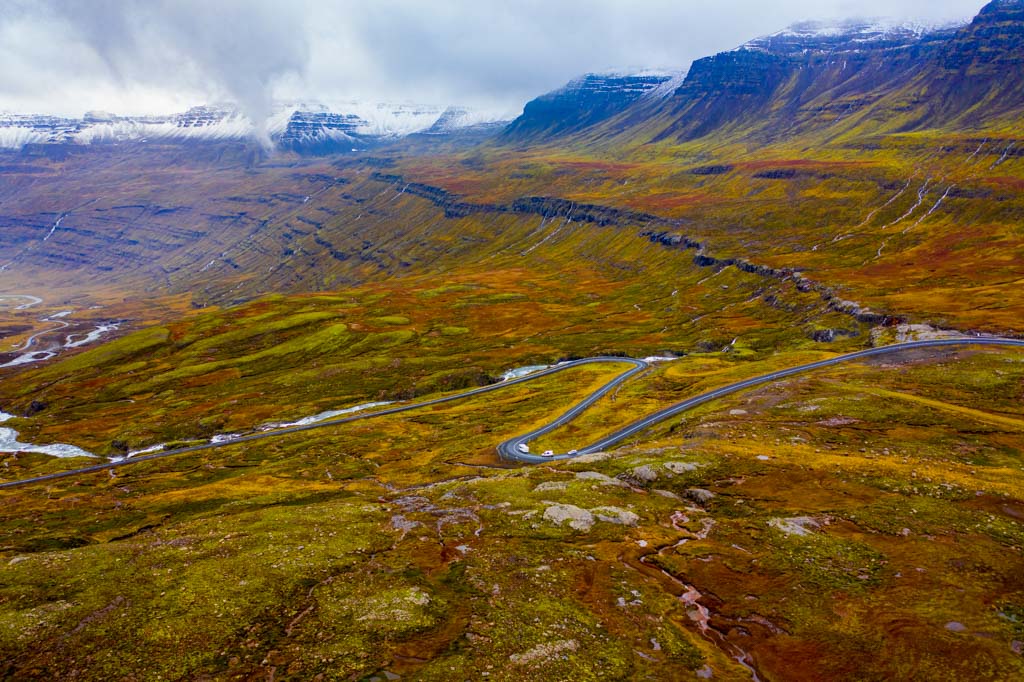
(855, 31)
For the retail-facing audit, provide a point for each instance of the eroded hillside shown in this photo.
(798, 198)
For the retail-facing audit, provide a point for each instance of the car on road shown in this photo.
(548, 453)
(573, 452)
(523, 448)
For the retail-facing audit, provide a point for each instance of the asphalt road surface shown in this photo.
(638, 365)
(510, 449)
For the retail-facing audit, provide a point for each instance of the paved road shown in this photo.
(638, 365)
(510, 448)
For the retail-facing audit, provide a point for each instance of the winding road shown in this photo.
(511, 450)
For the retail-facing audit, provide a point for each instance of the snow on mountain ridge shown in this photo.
(850, 32)
(295, 123)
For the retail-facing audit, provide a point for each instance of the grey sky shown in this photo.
(156, 56)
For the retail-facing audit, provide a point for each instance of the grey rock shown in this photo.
(797, 525)
(579, 519)
(615, 515)
(599, 478)
(645, 473)
(550, 486)
(682, 467)
(699, 495)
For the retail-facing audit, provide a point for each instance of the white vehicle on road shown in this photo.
(523, 448)
(548, 453)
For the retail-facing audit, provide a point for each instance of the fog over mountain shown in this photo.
(137, 57)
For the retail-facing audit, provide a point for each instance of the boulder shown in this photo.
(699, 495)
(579, 519)
(550, 486)
(615, 515)
(797, 525)
(682, 467)
(599, 478)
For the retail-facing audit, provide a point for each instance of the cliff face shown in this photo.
(816, 80)
(978, 74)
(725, 88)
(796, 84)
(994, 40)
(580, 104)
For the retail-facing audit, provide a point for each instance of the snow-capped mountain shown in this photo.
(455, 119)
(588, 100)
(299, 127)
(849, 35)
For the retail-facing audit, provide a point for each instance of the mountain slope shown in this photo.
(814, 192)
(582, 103)
(825, 82)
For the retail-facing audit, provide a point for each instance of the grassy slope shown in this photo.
(282, 358)
(839, 212)
(403, 545)
(342, 562)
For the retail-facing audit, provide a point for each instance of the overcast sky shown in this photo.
(161, 56)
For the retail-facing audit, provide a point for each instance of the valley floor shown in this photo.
(859, 522)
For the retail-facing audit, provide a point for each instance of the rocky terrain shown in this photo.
(818, 191)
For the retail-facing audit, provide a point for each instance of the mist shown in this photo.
(160, 56)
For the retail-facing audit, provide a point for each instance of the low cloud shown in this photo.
(233, 50)
(132, 56)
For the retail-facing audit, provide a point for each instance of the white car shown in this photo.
(548, 453)
(573, 452)
(523, 448)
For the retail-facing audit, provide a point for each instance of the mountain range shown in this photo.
(846, 200)
(300, 128)
(880, 108)
(809, 77)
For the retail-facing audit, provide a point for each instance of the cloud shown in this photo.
(224, 49)
(131, 55)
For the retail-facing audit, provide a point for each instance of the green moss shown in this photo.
(825, 562)
(1014, 615)
(393, 320)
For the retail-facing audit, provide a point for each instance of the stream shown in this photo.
(9, 443)
(691, 596)
(32, 300)
(76, 340)
(522, 372)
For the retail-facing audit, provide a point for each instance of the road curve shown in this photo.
(640, 425)
(638, 365)
(510, 449)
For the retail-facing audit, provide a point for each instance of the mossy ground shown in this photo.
(860, 523)
(403, 545)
